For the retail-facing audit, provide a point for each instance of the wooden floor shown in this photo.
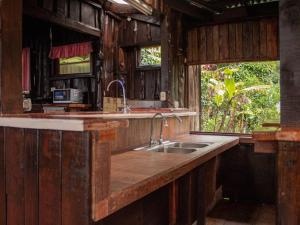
(226, 213)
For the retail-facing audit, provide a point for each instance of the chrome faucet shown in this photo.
(164, 123)
(125, 107)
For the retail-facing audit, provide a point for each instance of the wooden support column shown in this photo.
(289, 59)
(11, 56)
(172, 67)
(288, 160)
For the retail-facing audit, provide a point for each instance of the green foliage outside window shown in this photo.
(150, 56)
(238, 98)
(75, 65)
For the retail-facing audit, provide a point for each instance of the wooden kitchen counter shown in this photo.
(135, 174)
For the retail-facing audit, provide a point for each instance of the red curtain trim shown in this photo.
(72, 50)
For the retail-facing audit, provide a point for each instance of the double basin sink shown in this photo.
(176, 147)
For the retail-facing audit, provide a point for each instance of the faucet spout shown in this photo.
(125, 108)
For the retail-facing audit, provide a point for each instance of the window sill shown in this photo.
(147, 68)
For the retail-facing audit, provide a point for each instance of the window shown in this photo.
(240, 97)
(150, 56)
(75, 65)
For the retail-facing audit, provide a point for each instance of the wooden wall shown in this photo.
(43, 76)
(138, 33)
(41, 177)
(110, 54)
(142, 83)
(173, 56)
(82, 16)
(10, 57)
(234, 42)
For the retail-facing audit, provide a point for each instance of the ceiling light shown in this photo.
(120, 2)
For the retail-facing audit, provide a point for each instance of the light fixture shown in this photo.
(141, 6)
(119, 2)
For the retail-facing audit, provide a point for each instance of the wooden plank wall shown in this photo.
(10, 57)
(234, 42)
(173, 57)
(79, 15)
(42, 72)
(111, 54)
(142, 83)
(137, 33)
(47, 177)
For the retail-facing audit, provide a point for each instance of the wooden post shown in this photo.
(11, 56)
(288, 160)
(289, 59)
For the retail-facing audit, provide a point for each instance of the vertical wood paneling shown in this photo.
(2, 179)
(74, 10)
(216, 47)
(288, 167)
(100, 155)
(239, 41)
(11, 55)
(195, 46)
(14, 150)
(50, 178)
(209, 43)
(256, 40)
(263, 38)
(87, 14)
(244, 41)
(202, 44)
(232, 40)
(272, 38)
(247, 40)
(31, 176)
(224, 42)
(75, 178)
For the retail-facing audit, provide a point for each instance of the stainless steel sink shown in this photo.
(176, 147)
(175, 150)
(189, 145)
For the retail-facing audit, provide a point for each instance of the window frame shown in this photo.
(56, 69)
(139, 58)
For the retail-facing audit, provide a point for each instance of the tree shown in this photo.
(239, 97)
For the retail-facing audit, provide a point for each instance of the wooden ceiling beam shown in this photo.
(240, 14)
(185, 8)
(204, 5)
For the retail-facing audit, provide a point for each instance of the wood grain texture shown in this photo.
(11, 54)
(290, 68)
(15, 164)
(242, 41)
(50, 173)
(74, 14)
(75, 178)
(31, 177)
(288, 183)
(136, 174)
(100, 180)
(2, 179)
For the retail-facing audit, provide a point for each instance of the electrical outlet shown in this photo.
(163, 96)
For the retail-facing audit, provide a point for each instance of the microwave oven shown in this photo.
(69, 95)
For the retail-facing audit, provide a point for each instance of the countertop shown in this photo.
(82, 121)
(135, 174)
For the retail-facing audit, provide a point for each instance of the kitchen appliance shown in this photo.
(69, 95)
